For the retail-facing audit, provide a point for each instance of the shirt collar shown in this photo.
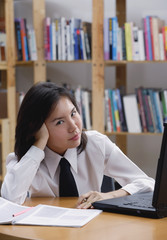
(52, 160)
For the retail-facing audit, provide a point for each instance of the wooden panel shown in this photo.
(121, 141)
(97, 66)
(38, 19)
(121, 11)
(11, 88)
(5, 143)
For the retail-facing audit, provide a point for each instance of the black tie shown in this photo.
(67, 185)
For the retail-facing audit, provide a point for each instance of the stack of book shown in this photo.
(143, 111)
(67, 40)
(25, 41)
(130, 42)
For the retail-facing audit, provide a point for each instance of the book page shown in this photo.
(56, 216)
(7, 209)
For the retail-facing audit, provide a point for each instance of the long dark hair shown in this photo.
(37, 105)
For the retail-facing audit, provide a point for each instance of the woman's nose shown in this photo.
(72, 126)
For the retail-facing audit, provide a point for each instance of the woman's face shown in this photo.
(64, 126)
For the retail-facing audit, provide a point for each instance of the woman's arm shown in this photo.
(20, 174)
(86, 200)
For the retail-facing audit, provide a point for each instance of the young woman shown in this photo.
(49, 127)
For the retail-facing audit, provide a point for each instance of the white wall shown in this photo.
(144, 150)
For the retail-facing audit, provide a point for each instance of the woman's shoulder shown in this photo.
(95, 135)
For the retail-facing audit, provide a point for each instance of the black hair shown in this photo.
(37, 105)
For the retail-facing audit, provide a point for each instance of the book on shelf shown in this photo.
(114, 111)
(87, 29)
(132, 113)
(108, 113)
(147, 110)
(129, 42)
(2, 46)
(44, 215)
(67, 39)
(157, 25)
(135, 43)
(106, 39)
(149, 107)
(25, 41)
(140, 102)
(114, 37)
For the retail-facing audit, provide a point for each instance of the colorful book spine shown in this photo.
(114, 37)
(112, 110)
(106, 40)
(116, 112)
(18, 39)
(128, 41)
(149, 37)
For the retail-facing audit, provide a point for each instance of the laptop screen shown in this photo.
(160, 191)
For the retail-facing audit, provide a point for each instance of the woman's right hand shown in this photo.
(41, 137)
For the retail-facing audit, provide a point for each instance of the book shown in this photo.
(141, 108)
(141, 45)
(2, 46)
(132, 113)
(44, 215)
(87, 29)
(147, 110)
(110, 37)
(114, 37)
(108, 114)
(18, 39)
(106, 40)
(128, 40)
(135, 43)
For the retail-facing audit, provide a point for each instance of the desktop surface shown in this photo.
(105, 226)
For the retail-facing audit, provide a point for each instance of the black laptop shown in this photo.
(152, 204)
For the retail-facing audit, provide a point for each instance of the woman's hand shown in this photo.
(85, 201)
(41, 137)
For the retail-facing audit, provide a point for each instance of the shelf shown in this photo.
(24, 63)
(3, 66)
(134, 134)
(73, 61)
(125, 62)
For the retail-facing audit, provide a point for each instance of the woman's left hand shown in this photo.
(85, 201)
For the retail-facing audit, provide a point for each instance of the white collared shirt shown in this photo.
(37, 173)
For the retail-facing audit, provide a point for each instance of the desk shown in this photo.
(107, 226)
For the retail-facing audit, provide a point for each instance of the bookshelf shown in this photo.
(8, 71)
(98, 65)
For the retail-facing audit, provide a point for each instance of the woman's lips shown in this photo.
(76, 137)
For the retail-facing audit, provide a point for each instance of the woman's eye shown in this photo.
(73, 113)
(59, 122)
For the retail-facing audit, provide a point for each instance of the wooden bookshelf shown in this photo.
(5, 145)
(98, 64)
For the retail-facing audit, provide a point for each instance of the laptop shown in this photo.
(151, 204)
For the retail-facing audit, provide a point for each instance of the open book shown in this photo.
(44, 215)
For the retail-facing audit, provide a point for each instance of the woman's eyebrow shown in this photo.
(58, 118)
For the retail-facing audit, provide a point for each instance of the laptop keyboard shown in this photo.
(140, 202)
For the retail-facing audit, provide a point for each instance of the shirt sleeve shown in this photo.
(124, 171)
(20, 174)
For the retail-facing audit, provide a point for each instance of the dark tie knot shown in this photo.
(64, 163)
